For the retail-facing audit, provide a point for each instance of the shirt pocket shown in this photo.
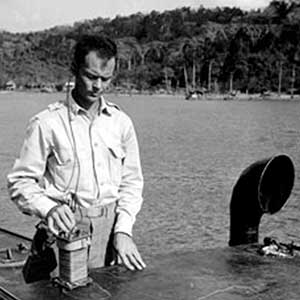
(63, 155)
(115, 163)
(61, 165)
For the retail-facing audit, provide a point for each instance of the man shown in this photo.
(82, 156)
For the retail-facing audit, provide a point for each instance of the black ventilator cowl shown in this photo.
(263, 187)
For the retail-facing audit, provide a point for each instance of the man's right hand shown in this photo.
(60, 218)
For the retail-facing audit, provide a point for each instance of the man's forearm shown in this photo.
(29, 197)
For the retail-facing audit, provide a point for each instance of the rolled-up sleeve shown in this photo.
(24, 179)
(130, 200)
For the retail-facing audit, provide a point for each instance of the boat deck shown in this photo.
(230, 273)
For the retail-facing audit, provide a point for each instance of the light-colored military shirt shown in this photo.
(67, 151)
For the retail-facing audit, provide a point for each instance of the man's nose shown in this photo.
(97, 84)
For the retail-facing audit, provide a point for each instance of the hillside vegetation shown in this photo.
(216, 50)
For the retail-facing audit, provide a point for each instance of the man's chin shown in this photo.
(93, 98)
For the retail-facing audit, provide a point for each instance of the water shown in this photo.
(192, 153)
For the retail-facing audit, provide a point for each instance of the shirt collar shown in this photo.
(104, 107)
(76, 109)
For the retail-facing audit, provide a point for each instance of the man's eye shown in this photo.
(92, 77)
(104, 78)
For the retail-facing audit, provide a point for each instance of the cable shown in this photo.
(6, 293)
(75, 153)
(15, 234)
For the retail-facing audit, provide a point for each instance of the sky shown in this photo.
(33, 15)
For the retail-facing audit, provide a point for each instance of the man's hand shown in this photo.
(128, 252)
(60, 218)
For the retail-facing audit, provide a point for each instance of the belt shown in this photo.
(97, 211)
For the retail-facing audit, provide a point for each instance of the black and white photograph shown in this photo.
(150, 150)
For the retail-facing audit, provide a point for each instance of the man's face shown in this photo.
(93, 77)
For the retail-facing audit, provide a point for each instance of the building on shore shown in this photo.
(10, 85)
(69, 85)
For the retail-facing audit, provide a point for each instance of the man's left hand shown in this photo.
(128, 252)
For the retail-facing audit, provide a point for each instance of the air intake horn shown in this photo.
(263, 187)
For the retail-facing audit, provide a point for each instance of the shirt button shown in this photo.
(96, 144)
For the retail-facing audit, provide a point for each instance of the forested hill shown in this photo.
(216, 49)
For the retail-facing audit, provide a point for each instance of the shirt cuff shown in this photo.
(43, 205)
(124, 224)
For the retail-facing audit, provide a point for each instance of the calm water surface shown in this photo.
(192, 154)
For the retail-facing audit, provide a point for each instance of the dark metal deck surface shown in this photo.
(228, 273)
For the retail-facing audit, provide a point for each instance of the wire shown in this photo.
(75, 153)
(15, 234)
(6, 293)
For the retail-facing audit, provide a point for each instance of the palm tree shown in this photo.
(295, 62)
(270, 46)
(214, 47)
(242, 47)
(126, 50)
(290, 37)
(279, 10)
(176, 57)
(172, 62)
(143, 49)
(168, 73)
(191, 50)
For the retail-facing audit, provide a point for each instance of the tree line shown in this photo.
(212, 50)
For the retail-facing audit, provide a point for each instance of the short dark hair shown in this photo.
(104, 46)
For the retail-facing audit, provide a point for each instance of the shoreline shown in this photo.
(206, 97)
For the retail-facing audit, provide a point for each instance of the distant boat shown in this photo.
(194, 95)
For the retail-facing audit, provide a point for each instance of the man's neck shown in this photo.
(91, 107)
